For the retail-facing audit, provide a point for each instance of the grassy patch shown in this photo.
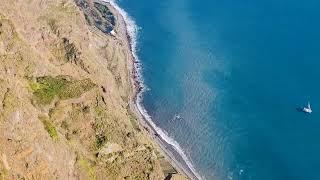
(100, 140)
(64, 125)
(65, 51)
(86, 166)
(29, 69)
(50, 128)
(4, 174)
(8, 33)
(45, 89)
(99, 111)
(53, 25)
(10, 101)
(76, 88)
(133, 119)
(34, 86)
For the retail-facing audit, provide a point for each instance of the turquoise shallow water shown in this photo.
(225, 79)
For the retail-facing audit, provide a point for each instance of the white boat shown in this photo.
(307, 109)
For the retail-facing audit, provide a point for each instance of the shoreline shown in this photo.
(174, 155)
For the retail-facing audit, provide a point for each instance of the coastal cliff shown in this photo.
(66, 83)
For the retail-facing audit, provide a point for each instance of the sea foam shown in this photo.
(132, 30)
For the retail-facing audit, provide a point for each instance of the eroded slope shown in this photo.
(64, 92)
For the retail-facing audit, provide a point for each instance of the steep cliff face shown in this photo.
(64, 94)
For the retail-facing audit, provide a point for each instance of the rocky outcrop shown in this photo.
(98, 15)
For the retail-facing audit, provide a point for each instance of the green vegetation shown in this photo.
(71, 51)
(100, 124)
(64, 125)
(65, 51)
(133, 119)
(99, 111)
(8, 33)
(29, 69)
(49, 127)
(4, 174)
(100, 140)
(107, 16)
(53, 25)
(103, 9)
(100, 131)
(45, 89)
(86, 166)
(9, 102)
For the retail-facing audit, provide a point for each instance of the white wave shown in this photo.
(165, 136)
(132, 30)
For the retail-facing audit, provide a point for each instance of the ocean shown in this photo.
(224, 79)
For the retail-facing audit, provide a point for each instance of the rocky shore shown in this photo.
(172, 168)
(173, 163)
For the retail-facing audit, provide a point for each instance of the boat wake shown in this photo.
(132, 30)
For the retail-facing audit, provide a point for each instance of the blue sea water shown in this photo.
(225, 79)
